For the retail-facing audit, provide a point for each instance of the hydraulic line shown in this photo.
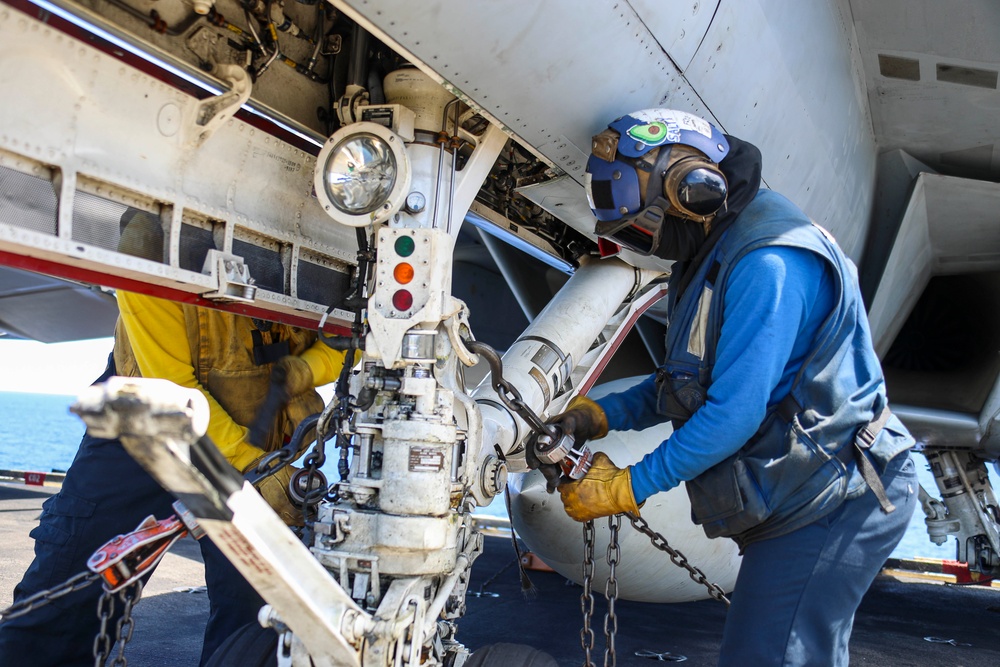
(154, 21)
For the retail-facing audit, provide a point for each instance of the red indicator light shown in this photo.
(403, 273)
(402, 300)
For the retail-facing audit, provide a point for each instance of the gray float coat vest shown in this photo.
(798, 466)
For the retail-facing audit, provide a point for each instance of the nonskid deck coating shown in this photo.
(889, 629)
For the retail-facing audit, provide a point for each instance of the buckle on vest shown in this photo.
(865, 437)
(866, 434)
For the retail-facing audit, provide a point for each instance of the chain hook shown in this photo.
(126, 558)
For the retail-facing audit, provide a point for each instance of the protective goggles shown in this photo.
(679, 181)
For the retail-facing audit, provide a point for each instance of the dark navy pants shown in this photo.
(106, 493)
(795, 596)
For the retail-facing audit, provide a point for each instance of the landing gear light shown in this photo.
(362, 174)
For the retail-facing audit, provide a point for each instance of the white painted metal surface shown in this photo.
(949, 227)
(542, 359)
(815, 136)
(142, 158)
(794, 78)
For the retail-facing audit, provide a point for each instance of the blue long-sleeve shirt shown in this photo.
(775, 301)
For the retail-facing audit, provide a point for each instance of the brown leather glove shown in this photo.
(605, 490)
(303, 401)
(274, 489)
(293, 373)
(583, 418)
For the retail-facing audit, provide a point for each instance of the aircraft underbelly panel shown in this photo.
(105, 137)
(679, 26)
(552, 93)
(800, 101)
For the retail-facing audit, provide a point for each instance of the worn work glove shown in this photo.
(583, 418)
(605, 490)
(292, 374)
(274, 489)
(290, 378)
(296, 377)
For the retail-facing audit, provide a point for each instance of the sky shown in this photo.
(52, 368)
(65, 369)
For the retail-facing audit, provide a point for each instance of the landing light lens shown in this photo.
(359, 174)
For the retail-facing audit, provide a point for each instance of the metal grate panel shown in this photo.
(264, 263)
(322, 284)
(195, 243)
(97, 220)
(27, 201)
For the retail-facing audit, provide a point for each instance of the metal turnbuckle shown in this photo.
(126, 558)
(563, 450)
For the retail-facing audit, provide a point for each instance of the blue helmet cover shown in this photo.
(608, 193)
(642, 131)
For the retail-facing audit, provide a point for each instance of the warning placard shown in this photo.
(425, 459)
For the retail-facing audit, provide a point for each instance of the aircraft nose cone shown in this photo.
(533, 506)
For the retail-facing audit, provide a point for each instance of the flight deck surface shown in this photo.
(889, 630)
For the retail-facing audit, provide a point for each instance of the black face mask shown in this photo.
(680, 239)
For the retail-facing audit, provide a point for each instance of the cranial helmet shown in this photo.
(650, 166)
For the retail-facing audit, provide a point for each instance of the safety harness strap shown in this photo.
(866, 436)
(268, 353)
(789, 407)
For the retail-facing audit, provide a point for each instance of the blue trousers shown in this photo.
(796, 595)
(106, 493)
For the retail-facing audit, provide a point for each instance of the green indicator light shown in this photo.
(404, 246)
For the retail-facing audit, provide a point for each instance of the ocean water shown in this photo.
(39, 433)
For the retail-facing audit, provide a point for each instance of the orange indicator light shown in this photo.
(403, 273)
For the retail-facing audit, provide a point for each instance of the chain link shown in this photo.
(611, 586)
(611, 591)
(677, 558)
(507, 392)
(102, 642)
(587, 597)
(126, 625)
(42, 598)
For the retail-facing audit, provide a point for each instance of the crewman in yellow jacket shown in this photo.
(229, 358)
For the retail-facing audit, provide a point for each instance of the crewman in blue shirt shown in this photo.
(782, 430)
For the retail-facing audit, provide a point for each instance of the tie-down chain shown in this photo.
(548, 433)
(120, 563)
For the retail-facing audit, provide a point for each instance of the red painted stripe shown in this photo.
(614, 345)
(52, 268)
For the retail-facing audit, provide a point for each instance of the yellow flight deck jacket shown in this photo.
(213, 351)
